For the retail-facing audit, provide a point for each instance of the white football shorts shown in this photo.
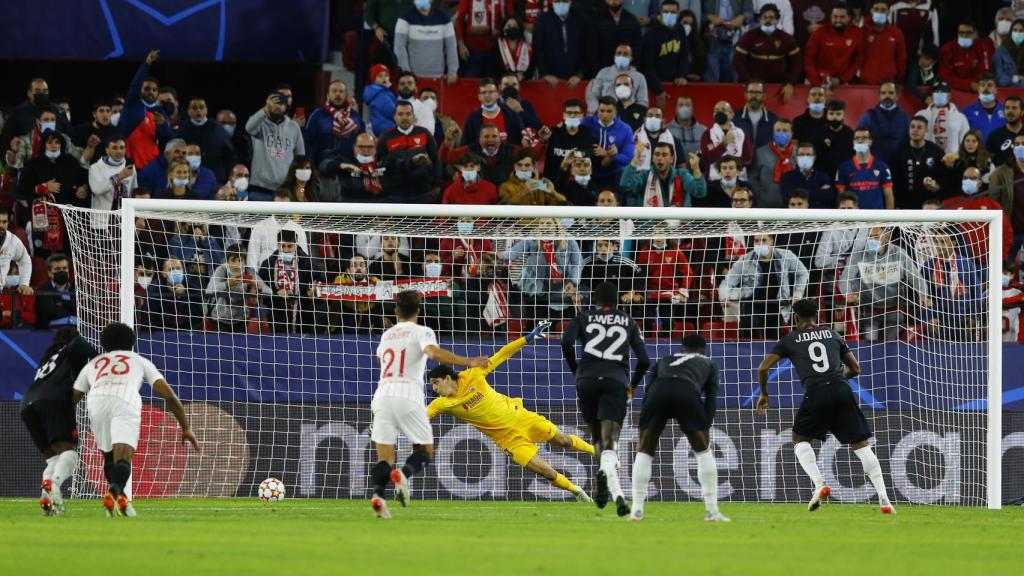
(394, 414)
(113, 421)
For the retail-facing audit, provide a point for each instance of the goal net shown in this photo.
(264, 317)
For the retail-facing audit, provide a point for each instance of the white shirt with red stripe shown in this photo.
(403, 359)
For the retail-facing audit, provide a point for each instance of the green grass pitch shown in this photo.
(306, 536)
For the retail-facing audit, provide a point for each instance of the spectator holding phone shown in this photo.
(229, 287)
(277, 140)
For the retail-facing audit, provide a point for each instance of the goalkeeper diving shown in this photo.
(467, 396)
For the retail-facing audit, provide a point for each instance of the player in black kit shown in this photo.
(818, 355)
(49, 413)
(603, 386)
(677, 384)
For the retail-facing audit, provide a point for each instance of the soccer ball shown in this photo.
(271, 490)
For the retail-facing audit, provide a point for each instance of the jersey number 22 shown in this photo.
(601, 333)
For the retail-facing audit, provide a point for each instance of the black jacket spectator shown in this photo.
(559, 145)
(666, 55)
(558, 45)
(53, 304)
(22, 119)
(910, 166)
(213, 140)
(345, 185)
(404, 179)
(81, 133)
(65, 169)
(611, 33)
(170, 310)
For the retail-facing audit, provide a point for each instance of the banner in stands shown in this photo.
(325, 451)
(384, 290)
(198, 30)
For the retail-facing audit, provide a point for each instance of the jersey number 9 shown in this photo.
(820, 357)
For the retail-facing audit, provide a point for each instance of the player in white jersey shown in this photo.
(113, 380)
(398, 402)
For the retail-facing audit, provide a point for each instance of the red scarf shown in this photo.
(37, 142)
(471, 257)
(548, 248)
(371, 178)
(784, 161)
(344, 126)
(956, 288)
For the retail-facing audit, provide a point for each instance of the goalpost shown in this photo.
(277, 372)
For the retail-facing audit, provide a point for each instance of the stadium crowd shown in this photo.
(385, 139)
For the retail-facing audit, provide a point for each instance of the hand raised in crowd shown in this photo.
(93, 141)
(638, 153)
(126, 172)
(786, 93)
(694, 165)
(452, 136)
(544, 134)
(514, 104)
(152, 56)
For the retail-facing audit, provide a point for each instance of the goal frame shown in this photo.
(991, 218)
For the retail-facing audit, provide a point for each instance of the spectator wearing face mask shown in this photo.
(724, 139)
(25, 147)
(954, 284)
(16, 311)
(230, 287)
(217, 152)
(666, 55)
(663, 184)
(443, 313)
(264, 237)
(917, 168)
(720, 192)
(478, 24)
(670, 289)
(143, 122)
(768, 52)
(873, 282)
(946, 124)
(771, 163)
(567, 138)
(765, 282)
(524, 188)
(512, 52)
(975, 235)
(52, 177)
(468, 186)
(14, 251)
(289, 281)
(425, 42)
(56, 303)
(560, 37)
(806, 176)
(685, 128)
(303, 181)
(835, 52)
(200, 252)
(496, 156)
(604, 83)
(201, 178)
(576, 180)
(174, 300)
(355, 178)
(964, 59)
(22, 118)
(885, 52)
(653, 132)
(887, 122)
(240, 141)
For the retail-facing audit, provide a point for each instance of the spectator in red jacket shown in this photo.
(668, 276)
(964, 60)
(834, 53)
(477, 27)
(469, 187)
(885, 50)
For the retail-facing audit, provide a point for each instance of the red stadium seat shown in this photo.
(718, 330)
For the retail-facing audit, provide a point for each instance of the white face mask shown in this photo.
(431, 104)
(1003, 27)
(303, 174)
(364, 159)
(433, 269)
(571, 122)
(13, 281)
(524, 175)
(241, 183)
(144, 281)
(623, 92)
(469, 175)
(115, 118)
(762, 250)
(652, 124)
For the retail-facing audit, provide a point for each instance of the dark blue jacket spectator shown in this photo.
(559, 44)
(381, 101)
(154, 177)
(888, 130)
(765, 127)
(618, 134)
(135, 108)
(321, 136)
(475, 121)
(214, 141)
(818, 185)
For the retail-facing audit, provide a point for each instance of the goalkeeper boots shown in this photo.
(122, 505)
(820, 494)
(621, 506)
(601, 492)
(380, 507)
(582, 496)
(45, 502)
(401, 486)
(636, 514)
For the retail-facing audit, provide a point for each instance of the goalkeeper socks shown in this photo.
(380, 475)
(707, 475)
(415, 463)
(51, 462)
(610, 467)
(564, 483)
(581, 445)
(641, 478)
(873, 470)
(805, 454)
(122, 470)
(67, 463)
